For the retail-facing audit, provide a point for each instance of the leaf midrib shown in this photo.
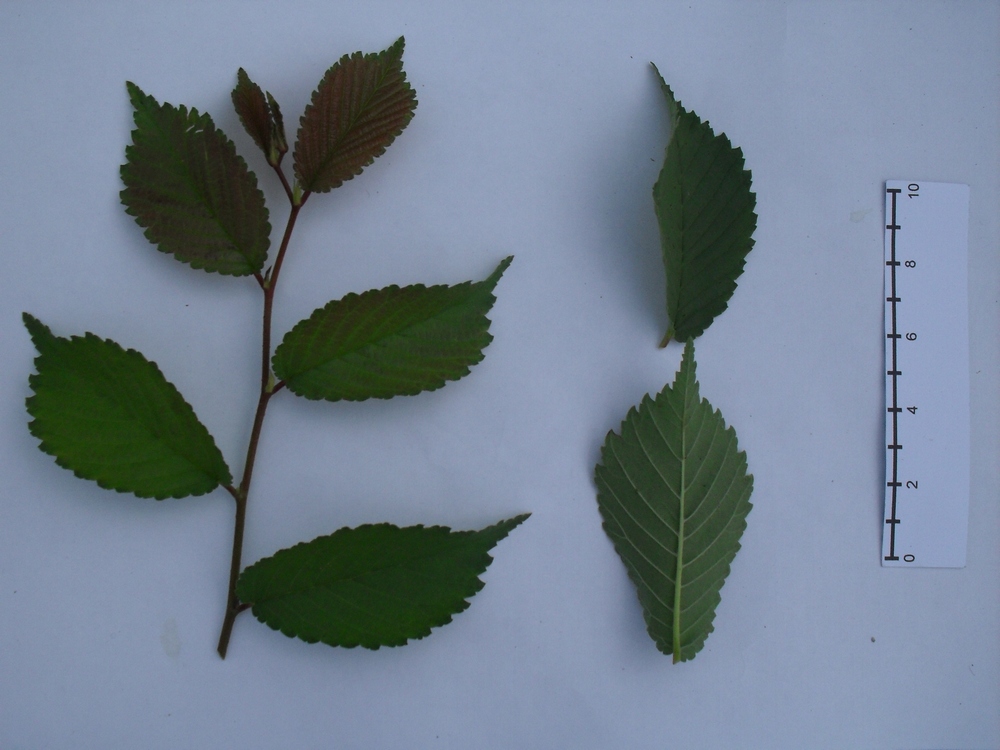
(680, 526)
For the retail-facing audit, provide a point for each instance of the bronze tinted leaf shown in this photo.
(261, 117)
(190, 190)
(358, 109)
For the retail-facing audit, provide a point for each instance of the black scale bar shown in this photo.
(894, 446)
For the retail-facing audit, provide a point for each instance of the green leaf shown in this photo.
(674, 493)
(388, 342)
(376, 585)
(358, 109)
(109, 415)
(261, 117)
(185, 183)
(706, 215)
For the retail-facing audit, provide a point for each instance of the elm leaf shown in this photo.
(190, 190)
(674, 493)
(706, 214)
(362, 103)
(374, 585)
(388, 342)
(261, 117)
(109, 415)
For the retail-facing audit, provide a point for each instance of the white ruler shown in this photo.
(927, 374)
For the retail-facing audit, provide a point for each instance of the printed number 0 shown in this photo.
(908, 558)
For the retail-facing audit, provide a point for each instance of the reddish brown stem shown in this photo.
(284, 182)
(267, 389)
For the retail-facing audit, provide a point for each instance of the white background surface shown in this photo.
(540, 132)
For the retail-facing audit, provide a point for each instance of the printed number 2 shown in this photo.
(912, 485)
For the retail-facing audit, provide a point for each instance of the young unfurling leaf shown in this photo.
(376, 585)
(186, 185)
(706, 213)
(674, 493)
(108, 414)
(261, 117)
(358, 109)
(388, 342)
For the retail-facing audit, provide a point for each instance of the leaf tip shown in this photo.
(518, 520)
(36, 328)
(674, 107)
(503, 528)
(494, 277)
(135, 94)
(688, 364)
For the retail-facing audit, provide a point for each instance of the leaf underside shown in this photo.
(362, 103)
(109, 415)
(190, 190)
(674, 494)
(375, 585)
(706, 215)
(388, 342)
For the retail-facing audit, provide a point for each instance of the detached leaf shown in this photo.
(674, 494)
(109, 415)
(185, 183)
(706, 215)
(376, 585)
(261, 117)
(388, 342)
(358, 109)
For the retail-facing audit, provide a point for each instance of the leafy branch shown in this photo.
(109, 415)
